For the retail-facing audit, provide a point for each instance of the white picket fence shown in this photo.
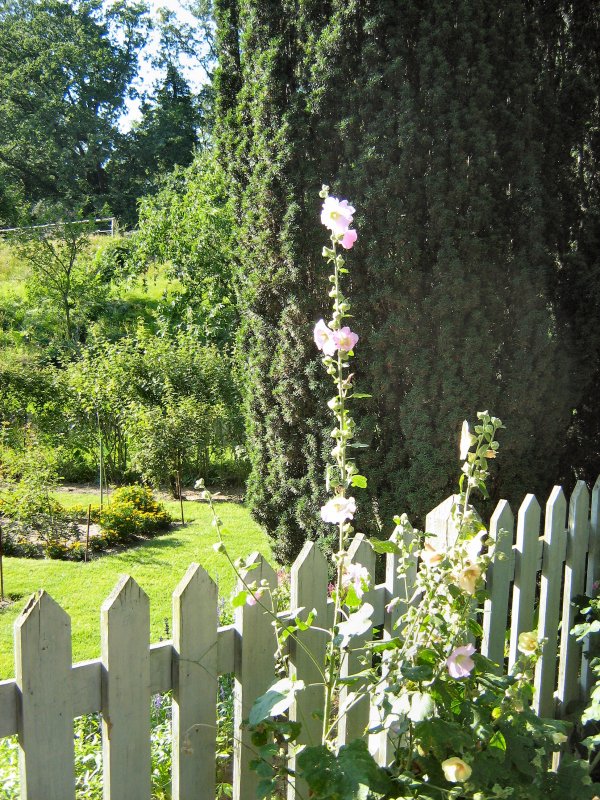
(535, 579)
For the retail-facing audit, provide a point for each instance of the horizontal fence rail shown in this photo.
(538, 573)
(110, 229)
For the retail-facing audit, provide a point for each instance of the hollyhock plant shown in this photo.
(324, 338)
(338, 510)
(348, 239)
(430, 694)
(456, 770)
(357, 576)
(459, 663)
(337, 215)
(345, 339)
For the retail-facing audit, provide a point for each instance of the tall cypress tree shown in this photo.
(428, 119)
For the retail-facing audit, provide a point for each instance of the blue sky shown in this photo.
(148, 75)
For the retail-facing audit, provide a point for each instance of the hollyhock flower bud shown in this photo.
(324, 338)
(338, 509)
(337, 215)
(459, 662)
(465, 440)
(348, 239)
(456, 770)
(345, 339)
(253, 598)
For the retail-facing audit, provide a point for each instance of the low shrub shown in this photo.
(132, 512)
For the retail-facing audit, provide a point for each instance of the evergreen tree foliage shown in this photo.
(429, 118)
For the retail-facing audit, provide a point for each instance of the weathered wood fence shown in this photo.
(538, 575)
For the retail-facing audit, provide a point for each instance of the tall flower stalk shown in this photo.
(337, 343)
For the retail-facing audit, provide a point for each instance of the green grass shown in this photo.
(157, 565)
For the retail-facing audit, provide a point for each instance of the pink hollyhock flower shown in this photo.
(324, 338)
(254, 597)
(344, 339)
(348, 239)
(459, 662)
(355, 575)
(337, 215)
(338, 509)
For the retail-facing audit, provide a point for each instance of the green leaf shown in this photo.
(360, 481)
(239, 599)
(356, 624)
(384, 546)
(361, 396)
(277, 700)
(421, 672)
(498, 741)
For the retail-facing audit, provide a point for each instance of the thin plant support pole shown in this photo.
(101, 462)
(180, 496)
(1, 567)
(87, 533)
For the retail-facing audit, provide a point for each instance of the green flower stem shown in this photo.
(259, 602)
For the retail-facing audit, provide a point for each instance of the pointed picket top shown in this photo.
(125, 592)
(439, 522)
(195, 667)
(593, 571)
(578, 514)
(310, 558)
(43, 671)
(125, 637)
(498, 579)
(526, 561)
(549, 605)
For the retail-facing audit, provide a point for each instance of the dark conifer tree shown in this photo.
(428, 118)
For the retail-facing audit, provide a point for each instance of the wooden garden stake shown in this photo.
(1, 568)
(180, 495)
(87, 533)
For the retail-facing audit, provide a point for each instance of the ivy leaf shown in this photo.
(277, 700)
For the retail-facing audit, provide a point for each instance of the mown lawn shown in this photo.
(157, 565)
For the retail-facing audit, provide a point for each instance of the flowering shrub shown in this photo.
(133, 511)
(455, 726)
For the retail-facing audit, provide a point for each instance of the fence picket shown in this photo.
(43, 666)
(254, 673)
(194, 685)
(354, 722)
(591, 583)
(400, 586)
(526, 560)
(498, 578)
(570, 650)
(308, 591)
(549, 612)
(125, 634)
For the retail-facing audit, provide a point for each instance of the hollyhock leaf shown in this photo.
(360, 481)
(277, 700)
(239, 599)
(420, 672)
(384, 546)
